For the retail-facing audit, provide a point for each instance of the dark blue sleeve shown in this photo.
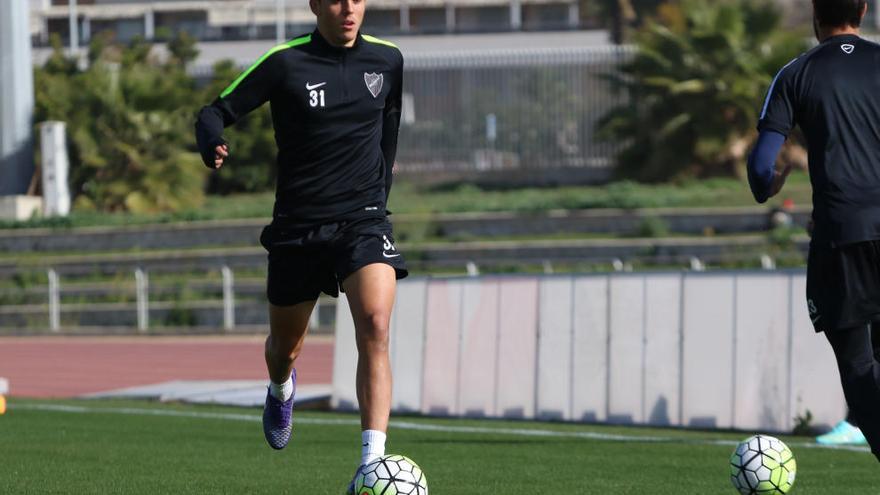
(762, 164)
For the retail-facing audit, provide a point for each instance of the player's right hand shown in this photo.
(779, 180)
(220, 153)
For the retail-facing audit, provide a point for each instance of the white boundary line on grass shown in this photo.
(408, 425)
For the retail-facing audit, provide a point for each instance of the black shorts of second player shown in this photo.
(843, 285)
(305, 262)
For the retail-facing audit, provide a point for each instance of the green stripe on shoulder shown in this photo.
(302, 40)
(373, 39)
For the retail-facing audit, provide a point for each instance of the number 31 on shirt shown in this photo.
(316, 98)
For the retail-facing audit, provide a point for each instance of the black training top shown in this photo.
(336, 113)
(833, 93)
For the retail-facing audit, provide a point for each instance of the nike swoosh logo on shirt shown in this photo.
(314, 86)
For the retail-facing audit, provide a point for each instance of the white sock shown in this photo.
(282, 392)
(372, 445)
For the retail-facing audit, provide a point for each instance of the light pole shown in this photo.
(279, 21)
(876, 15)
(16, 99)
(74, 31)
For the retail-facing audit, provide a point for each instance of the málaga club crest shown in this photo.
(374, 83)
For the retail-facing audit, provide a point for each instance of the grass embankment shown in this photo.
(408, 198)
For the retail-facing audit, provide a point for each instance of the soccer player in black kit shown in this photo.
(335, 97)
(833, 93)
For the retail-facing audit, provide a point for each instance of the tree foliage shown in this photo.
(129, 117)
(695, 87)
(129, 126)
(623, 15)
(619, 17)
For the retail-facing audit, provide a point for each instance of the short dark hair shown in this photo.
(834, 13)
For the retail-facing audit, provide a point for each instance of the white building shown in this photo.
(258, 19)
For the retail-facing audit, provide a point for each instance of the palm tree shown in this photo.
(695, 91)
(620, 16)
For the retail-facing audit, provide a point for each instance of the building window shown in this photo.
(427, 20)
(536, 17)
(382, 21)
(472, 19)
(169, 24)
(124, 30)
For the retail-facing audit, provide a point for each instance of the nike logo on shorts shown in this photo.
(310, 87)
(388, 249)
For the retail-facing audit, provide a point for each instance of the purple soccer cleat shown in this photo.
(278, 418)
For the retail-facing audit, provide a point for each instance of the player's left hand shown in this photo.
(220, 154)
(779, 180)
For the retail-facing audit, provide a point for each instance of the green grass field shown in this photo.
(140, 447)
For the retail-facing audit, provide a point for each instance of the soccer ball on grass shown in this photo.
(391, 475)
(762, 465)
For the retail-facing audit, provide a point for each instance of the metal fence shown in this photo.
(526, 115)
(519, 112)
(198, 302)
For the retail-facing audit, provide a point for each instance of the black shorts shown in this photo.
(843, 285)
(303, 262)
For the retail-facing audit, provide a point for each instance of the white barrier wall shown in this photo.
(517, 346)
(590, 348)
(553, 390)
(662, 370)
(717, 350)
(706, 370)
(406, 347)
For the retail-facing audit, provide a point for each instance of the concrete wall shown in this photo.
(716, 350)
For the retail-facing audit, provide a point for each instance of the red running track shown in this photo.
(71, 366)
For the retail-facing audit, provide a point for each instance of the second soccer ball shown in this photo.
(762, 465)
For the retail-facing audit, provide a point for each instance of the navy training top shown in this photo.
(336, 114)
(833, 93)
